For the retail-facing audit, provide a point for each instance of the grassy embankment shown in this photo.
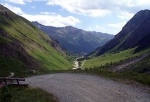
(35, 40)
(111, 58)
(36, 44)
(25, 94)
(136, 72)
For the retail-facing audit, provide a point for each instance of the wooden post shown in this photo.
(17, 81)
(5, 81)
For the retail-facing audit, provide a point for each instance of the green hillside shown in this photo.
(132, 42)
(127, 55)
(24, 47)
(112, 58)
(106, 64)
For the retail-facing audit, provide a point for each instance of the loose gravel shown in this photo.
(72, 87)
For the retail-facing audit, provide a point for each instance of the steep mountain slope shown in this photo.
(129, 50)
(75, 40)
(135, 33)
(23, 47)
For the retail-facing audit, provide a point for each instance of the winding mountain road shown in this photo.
(71, 87)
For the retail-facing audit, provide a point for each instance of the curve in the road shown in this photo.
(70, 87)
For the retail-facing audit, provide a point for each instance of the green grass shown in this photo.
(25, 94)
(121, 76)
(109, 58)
(142, 66)
(51, 60)
(136, 72)
(8, 65)
(4, 40)
(37, 44)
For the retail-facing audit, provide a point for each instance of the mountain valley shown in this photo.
(62, 63)
(74, 40)
(26, 49)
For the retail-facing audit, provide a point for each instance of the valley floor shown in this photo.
(76, 64)
(71, 87)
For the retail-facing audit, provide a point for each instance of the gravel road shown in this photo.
(71, 87)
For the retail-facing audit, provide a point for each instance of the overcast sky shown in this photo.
(107, 16)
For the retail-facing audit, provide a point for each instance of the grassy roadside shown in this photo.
(25, 94)
(135, 73)
(128, 75)
(110, 58)
(138, 72)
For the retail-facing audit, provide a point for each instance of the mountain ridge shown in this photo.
(128, 51)
(75, 40)
(130, 36)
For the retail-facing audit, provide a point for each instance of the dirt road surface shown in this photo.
(69, 87)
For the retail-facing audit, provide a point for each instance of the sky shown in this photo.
(106, 16)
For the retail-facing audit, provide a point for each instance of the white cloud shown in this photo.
(88, 29)
(84, 7)
(19, 1)
(101, 28)
(48, 13)
(139, 2)
(100, 8)
(106, 29)
(96, 13)
(116, 25)
(98, 26)
(16, 1)
(119, 11)
(125, 15)
(53, 20)
(16, 10)
(46, 18)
